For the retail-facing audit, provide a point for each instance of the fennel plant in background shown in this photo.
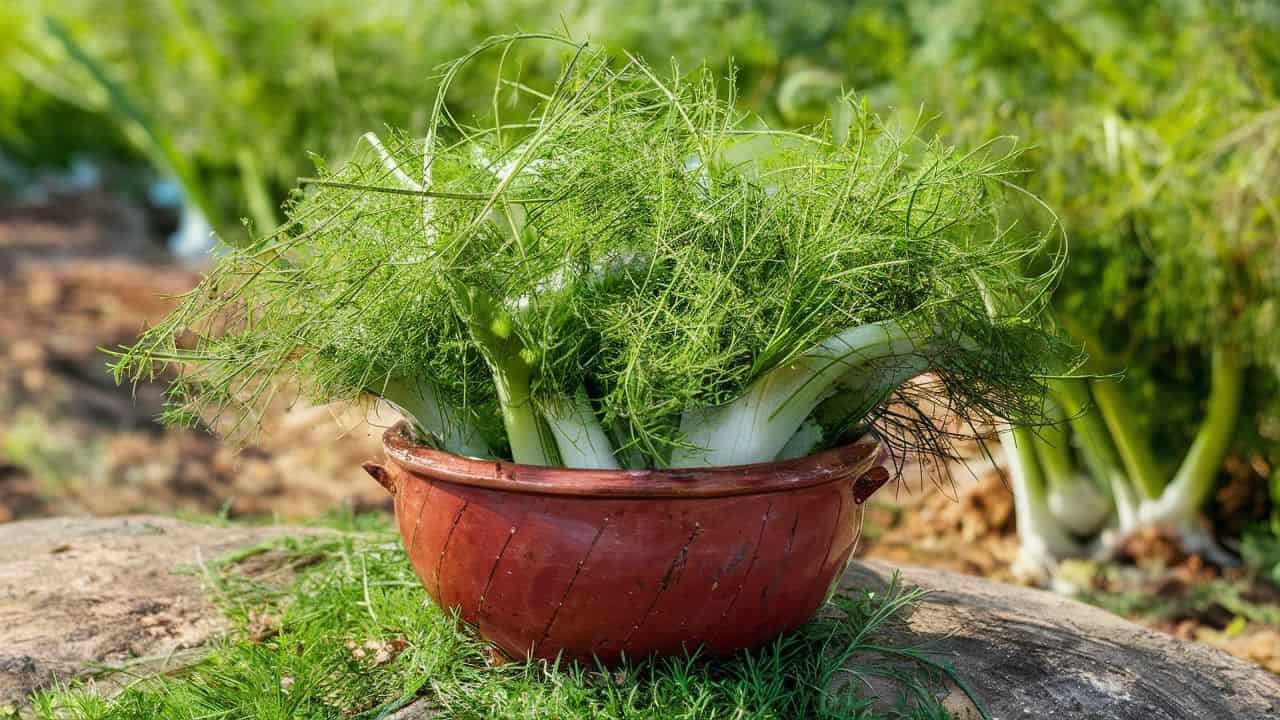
(1155, 131)
(231, 96)
(631, 273)
(37, 130)
(785, 53)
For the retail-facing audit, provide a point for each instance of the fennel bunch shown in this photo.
(618, 269)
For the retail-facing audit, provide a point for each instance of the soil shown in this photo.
(84, 276)
(88, 272)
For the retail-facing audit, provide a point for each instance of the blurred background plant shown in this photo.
(232, 97)
(1154, 131)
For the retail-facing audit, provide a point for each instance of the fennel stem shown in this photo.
(580, 437)
(1041, 537)
(1073, 498)
(1053, 451)
(1095, 445)
(421, 405)
(1135, 452)
(531, 443)
(756, 426)
(1196, 476)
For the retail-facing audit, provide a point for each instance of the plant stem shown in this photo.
(1096, 448)
(807, 438)
(1196, 477)
(1135, 452)
(146, 133)
(453, 430)
(579, 435)
(1073, 499)
(756, 426)
(1053, 448)
(257, 196)
(530, 444)
(1041, 537)
(856, 394)
(531, 441)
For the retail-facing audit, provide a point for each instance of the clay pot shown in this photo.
(545, 561)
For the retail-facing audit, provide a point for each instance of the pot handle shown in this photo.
(869, 482)
(379, 473)
(873, 479)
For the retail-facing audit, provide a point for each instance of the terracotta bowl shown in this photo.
(546, 561)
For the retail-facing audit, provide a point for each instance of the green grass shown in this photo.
(55, 458)
(353, 636)
(1199, 601)
(1154, 593)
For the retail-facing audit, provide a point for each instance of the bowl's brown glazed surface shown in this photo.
(544, 561)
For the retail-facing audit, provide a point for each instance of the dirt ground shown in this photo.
(88, 272)
(82, 277)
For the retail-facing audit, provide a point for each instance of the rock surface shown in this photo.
(1027, 653)
(78, 594)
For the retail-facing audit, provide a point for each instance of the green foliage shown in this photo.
(1155, 138)
(38, 129)
(624, 234)
(1260, 549)
(247, 89)
(312, 651)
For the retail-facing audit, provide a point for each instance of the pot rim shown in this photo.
(848, 461)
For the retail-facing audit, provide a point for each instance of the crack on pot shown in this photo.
(445, 548)
(492, 572)
(791, 537)
(413, 536)
(739, 555)
(546, 632)
(764, 521)
(675, 571)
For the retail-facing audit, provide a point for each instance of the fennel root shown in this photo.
(1072, 498)
(1042, 540)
